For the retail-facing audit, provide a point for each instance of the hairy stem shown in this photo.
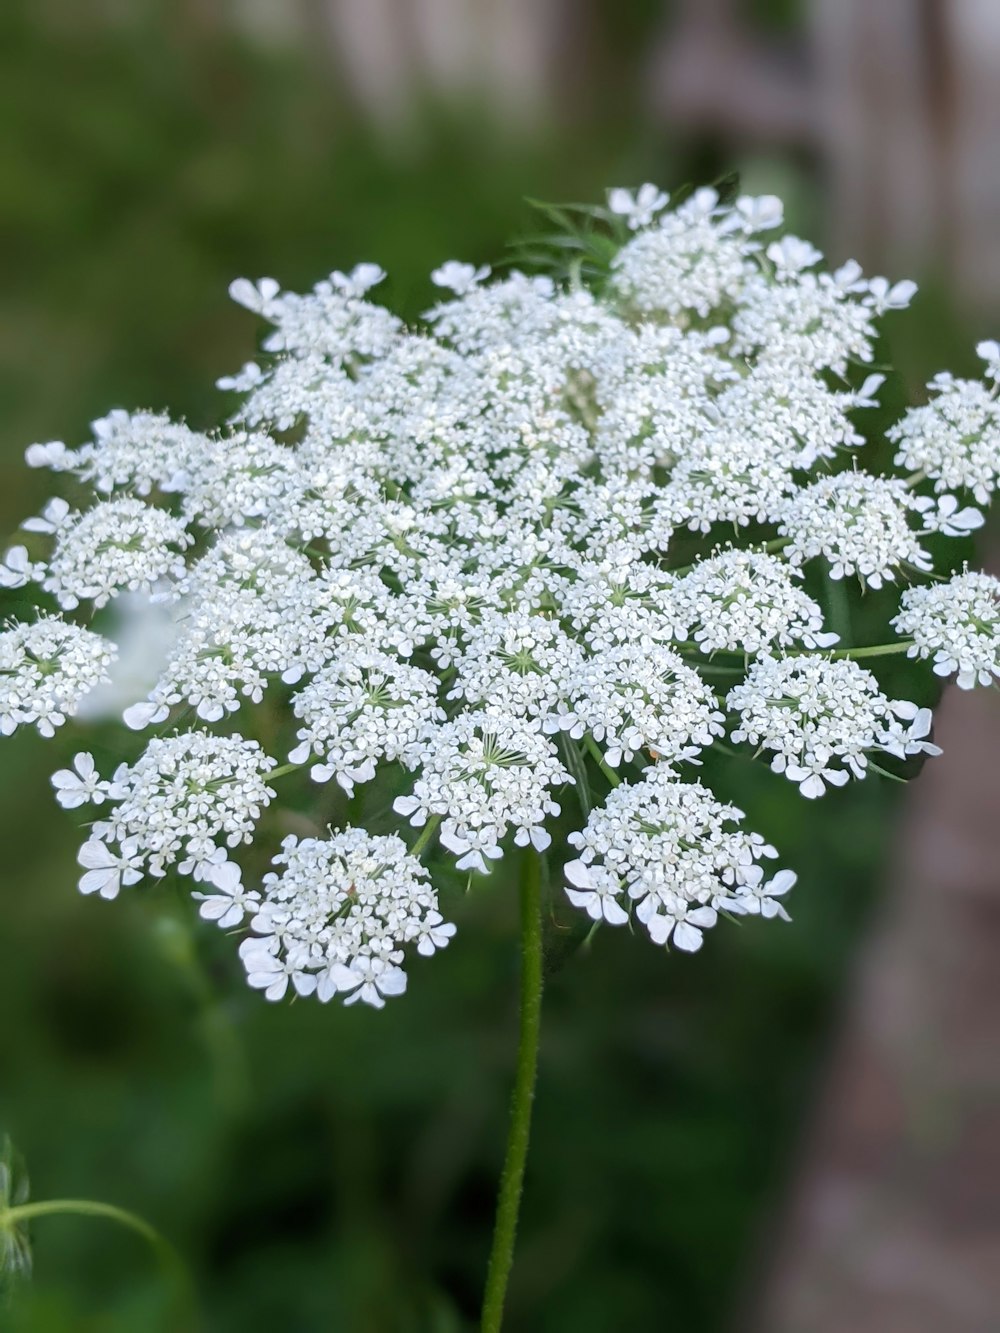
(512, 1177)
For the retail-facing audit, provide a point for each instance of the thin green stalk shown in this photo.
(577, 770)
(512, 1178)
(605, 768)
(429, 830)
(880, 650)
(171, 1261)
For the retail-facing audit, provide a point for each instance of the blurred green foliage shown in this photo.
(323, 1168)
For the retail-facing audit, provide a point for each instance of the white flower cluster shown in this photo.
(480, 570)
(821, 719)
(955, 438)
(958, 623)
(46, 668)
(666, 848)
(172, 807)
(121, 545)
(335, 919)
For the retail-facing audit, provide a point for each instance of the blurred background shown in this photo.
(795, 1131)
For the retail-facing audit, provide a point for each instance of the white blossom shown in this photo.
(361, 709)
(121, 544)
(47, 667)
(955, 438)
(958, 624)
(338, 916)
(746, 601)
(821, 719)
(523, 545)
(485, 773)
(639, 208)
(641, 697)
(674, 853)
(860, 524)
(186, 801)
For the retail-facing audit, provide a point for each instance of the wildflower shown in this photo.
(958, 624)
(46, 668)
(463, 568)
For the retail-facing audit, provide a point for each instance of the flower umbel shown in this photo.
(534, 555)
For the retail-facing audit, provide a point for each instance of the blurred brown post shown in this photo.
(894, 1223)
(898, 99)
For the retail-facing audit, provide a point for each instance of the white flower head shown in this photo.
(558, 535)
(673, 854)
(958, 625)
(821, 720)
(337, 917)
(46, 668)
(458, 277)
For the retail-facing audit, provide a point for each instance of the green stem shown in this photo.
(577, 770)
(165, 1252)
(605, 768)
(880, 650)
(428, 832)
(282, 771)
(512, 1178)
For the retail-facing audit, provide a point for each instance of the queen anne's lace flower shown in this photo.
(337, 917)
(46, 668)
(746, 601)
(955, 438)
(141, 451)
(118, 545)
(859, 523)
(557, 536)
(665, 847)
(694, 261)
(485, 773)
(958, 624)
(634, 698)
(517, 662)
(821, 719)
(184, 802)
(365, 707)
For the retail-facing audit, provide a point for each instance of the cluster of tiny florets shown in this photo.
(335, 918)
(525, 561)
(821, 720)
(958, 624)
(46, 667)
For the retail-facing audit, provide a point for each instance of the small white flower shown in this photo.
(80, 784)
(820, 719)
(639, 208)
(372, 980)
(597, 891)
(957, 623)
(883, 295)
(105, 870)
(989, 351)
(459, 278)
(233, 900)
(791, 255)
(17, 569)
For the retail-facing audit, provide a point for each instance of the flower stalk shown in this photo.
(512, 1177)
